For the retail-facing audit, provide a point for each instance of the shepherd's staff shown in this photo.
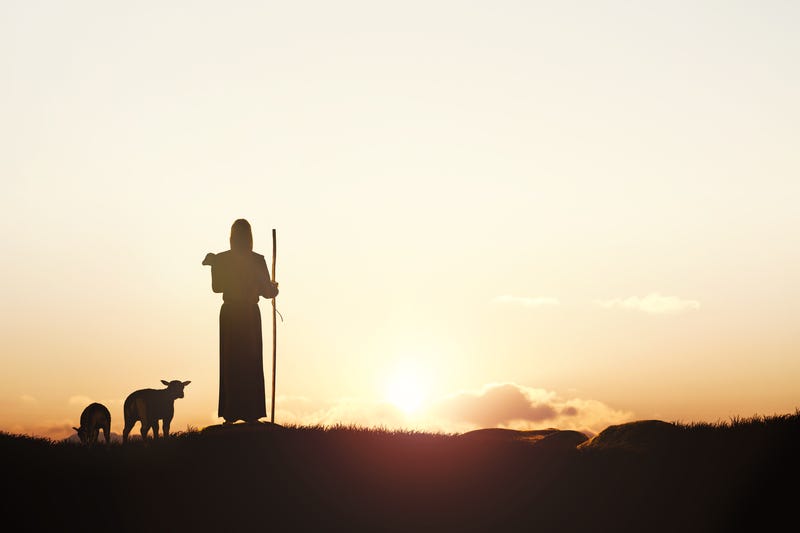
(274, 328)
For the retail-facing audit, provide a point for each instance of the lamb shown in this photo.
(95, 417)
(148, 406)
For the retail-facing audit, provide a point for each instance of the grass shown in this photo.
(736, 475)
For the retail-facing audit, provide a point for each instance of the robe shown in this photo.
(241, 277)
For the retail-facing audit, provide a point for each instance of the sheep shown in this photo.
(95, 417)
(148, 406)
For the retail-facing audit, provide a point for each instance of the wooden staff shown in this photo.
(274, 329)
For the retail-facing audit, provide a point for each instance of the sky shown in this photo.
(487, 214)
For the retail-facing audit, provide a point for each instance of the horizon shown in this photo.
(527, 216)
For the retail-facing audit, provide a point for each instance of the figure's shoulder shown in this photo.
(229, 259)
(222, 258)
(218, 262)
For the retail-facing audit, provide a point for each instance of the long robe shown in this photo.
(241, 277)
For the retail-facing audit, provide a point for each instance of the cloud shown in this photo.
(49, 429)
(28, 399)
(526, 301)
(79, 400)
(495, 405)
(514, 406)
(653, 303)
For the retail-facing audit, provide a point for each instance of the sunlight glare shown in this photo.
(407, 388)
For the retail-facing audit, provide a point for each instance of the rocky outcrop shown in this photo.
(641, 435)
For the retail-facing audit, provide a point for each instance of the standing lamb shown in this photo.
(148, 406)
(95, 417)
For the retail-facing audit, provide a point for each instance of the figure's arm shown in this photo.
(216, 277)
(271, 290)
(268, 288)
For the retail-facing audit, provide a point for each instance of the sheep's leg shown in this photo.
(144, 429)
(155, 428)
(165, 427)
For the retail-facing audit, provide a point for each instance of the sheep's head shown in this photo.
(175, 387)
(83, 434)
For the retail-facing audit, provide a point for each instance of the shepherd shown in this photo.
(242, 276)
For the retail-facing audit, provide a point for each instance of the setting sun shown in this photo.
(407, 388)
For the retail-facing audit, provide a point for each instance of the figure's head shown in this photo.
(241, 236)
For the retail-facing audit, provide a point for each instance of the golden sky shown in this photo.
(511, 214)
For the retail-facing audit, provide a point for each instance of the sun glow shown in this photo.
(407, 388)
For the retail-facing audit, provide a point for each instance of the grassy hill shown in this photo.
(648, 475)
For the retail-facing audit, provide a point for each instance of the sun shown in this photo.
(406, 389)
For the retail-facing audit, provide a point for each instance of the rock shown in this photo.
(640, 435)
(242, 428)
(561, 441)
(502, 434)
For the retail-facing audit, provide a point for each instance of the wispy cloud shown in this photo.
(527, 301)
(79, 400)
(28, 399)
(653, 303)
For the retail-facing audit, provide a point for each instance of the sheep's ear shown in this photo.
(186, 383)
(165, 382)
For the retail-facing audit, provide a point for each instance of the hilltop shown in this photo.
(647, 475)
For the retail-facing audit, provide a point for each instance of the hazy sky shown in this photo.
(517, 214)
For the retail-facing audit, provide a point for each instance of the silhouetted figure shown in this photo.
(242, 276)
(95, 417)
(148, 406)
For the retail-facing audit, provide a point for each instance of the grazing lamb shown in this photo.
(95, 417)
(148, 406)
